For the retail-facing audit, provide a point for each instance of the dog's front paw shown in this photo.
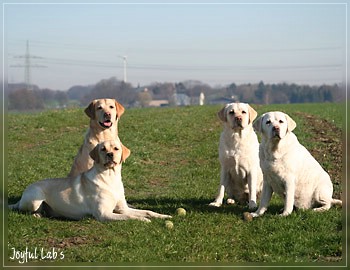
(254, 214)
(215, 204)
(37, 215)
(285, 213)
(165, 217)
(252, 205)
(230, 201)
(144, 219)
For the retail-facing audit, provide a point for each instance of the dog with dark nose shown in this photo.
(241, 176)
(104, 116)
(98, 192)
(289, 169)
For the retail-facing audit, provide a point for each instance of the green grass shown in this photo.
(173, 163)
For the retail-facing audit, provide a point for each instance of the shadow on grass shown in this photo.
(169, 205)
(194, 205)
(13, 200)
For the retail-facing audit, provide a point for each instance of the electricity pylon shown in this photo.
(27, 66)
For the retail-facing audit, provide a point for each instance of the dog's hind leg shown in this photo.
(31, 201)
(323, 198)
(326, 204)
(324, 207)
(14, 206)
(336, 202)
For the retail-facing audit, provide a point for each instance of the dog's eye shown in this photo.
(111, 107)
(103, 148)
(116, 148)
(232, 112)
(281, 121)
(244, 112)
(268, 122)
(99, 107)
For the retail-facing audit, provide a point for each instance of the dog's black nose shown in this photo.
(110, 155)
(107, 114)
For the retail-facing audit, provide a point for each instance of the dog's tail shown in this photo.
(14, 206)
(337, 202)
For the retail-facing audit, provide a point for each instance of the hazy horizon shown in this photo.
(217, 44)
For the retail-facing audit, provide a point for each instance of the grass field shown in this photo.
(173, 163)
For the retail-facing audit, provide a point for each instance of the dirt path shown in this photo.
(328, 139)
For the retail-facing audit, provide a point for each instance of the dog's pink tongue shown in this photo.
(107, 123)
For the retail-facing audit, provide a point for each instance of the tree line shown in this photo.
(20, 98)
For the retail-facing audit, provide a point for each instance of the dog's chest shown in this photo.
(236, 161)
(279, 167)
(106, 135)
(114, 189)
(278, 172)
(235, 150)
(279, 162)
(107, 187)
(277, 183)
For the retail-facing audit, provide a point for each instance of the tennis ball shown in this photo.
(181, 212)
(169, 225)
(247, 216)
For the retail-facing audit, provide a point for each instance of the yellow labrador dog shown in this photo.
(98, 192)
(289, 169)
(241, 175)
(104, 115)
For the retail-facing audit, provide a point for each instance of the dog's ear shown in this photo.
(120, 109)
(94, 154)
(291, 123)
(257, 125)
(90, 110)
(252, 114)
(222, 114)
(125, 153)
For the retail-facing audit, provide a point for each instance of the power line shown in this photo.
(207, 67)
(191, 67)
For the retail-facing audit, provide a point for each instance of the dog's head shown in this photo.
(105, 112)
(110, 153)
(274, 125)
(237, 115)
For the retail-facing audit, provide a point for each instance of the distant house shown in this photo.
(180, 99)
(159, 103)
(222, 100)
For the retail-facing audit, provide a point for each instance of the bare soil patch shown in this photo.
(329, 149)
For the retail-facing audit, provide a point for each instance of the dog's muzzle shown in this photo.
(110, 163)
(107, 123)
(276, 132)
(237, 122)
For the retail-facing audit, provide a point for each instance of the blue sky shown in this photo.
(218, 44)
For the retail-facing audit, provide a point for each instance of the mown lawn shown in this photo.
(173, 163)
